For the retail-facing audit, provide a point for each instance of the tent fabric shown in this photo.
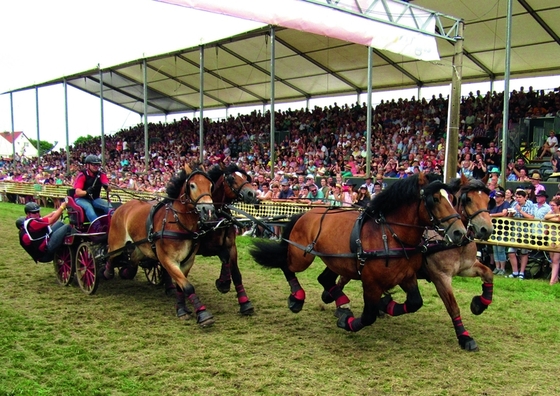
(237, 69)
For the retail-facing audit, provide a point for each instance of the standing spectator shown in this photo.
(285, 191)
(536, 182)
(500, 210)
(554, 215)
(521, 209)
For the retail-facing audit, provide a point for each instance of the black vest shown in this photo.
(36, 240)
(92, 181)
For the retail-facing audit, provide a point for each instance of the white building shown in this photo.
(24, 147)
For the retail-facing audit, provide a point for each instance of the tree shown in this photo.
(84, 140)
(45, 146)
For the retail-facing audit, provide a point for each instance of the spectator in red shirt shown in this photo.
(41, 236)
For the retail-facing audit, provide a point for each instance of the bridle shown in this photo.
(186, 198)
(230, 180)
(437, 223)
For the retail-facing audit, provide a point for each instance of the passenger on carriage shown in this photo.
(40, 236)
(88, 185)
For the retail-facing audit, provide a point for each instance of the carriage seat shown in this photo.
(75, 212)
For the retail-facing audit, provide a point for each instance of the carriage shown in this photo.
(161, 236)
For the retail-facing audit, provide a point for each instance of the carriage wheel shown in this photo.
(154, 274)
(86, 270)
(64, 265)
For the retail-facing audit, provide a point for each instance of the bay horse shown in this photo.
(231, 184)
(166, 232)
(381, 245)
(442, 264)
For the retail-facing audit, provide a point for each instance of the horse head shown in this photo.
(439, 211)
(235, 184)
(196, 190)
(473, 202)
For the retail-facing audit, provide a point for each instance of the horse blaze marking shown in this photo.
(446, 195)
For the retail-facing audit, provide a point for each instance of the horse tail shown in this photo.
(269, 253)
(273, 254)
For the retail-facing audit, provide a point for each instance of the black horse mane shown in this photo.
(474, 185)
(173, 189)
(216, 171)
(402, 192)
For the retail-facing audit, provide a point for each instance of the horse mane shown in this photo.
(402, 192)
(216, 171)
(173, 189)
(457, 185)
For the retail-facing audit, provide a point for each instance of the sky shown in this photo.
(105, 32)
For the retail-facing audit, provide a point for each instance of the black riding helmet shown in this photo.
(19, 222)
(92, 159)
(31, 207)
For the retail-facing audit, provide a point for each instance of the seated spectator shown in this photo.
(550, 145)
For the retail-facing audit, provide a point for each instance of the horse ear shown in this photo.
(485, 179)
(188, 169)
(422, 179)
(464, 179)
(222, 165)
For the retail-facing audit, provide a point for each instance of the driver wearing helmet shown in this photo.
(41, 236)
(88, 185)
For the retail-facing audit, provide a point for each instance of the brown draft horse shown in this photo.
(165, 232)
(230, 184)
(380, 246)
(472, 204)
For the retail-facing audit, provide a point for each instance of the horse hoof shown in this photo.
(326, 297)
(294, 304)
(342, 321)
(183, 312)
(246, 309)
(468, 344)
(477, 307)
(384, 302)
(204, 319)
(108, 275)
(343, 312)
(223, 286)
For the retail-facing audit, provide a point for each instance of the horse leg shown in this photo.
(442, 282)
(297, 295)
(203, 317)
(348, 322)
(223, 283)
(167, 282)
(245, 305)
(181, 306)
(333, 292)
(413, 299)
(480, 303)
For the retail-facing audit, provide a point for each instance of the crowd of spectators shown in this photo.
(318, 151)
(408, 136)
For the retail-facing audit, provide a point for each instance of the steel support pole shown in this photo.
(146, 136)
(201, 106)
(67, 127)
(272, 93)
(453, 119)
(37, 119)
(13, 127)
(102, 116)
(505, 115)
(369, 110)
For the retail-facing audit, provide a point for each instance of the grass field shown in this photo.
(126, 340)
